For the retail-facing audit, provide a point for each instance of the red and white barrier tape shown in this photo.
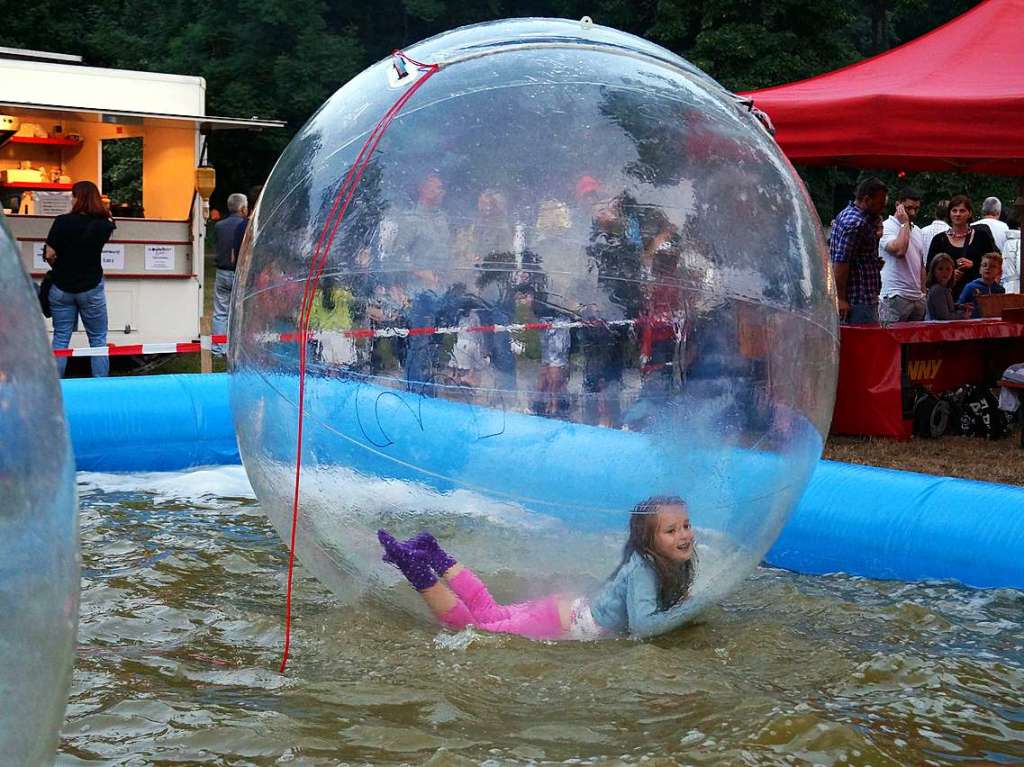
(131, 350)
(191, 347)
(447, 330)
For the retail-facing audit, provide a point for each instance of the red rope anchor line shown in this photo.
(316, 267)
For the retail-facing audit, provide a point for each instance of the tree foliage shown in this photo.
(122, 170)
(282, 59)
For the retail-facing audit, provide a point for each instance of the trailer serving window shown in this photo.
(145, 161)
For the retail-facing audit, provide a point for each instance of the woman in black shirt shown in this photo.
(73, 248)
(966, 244)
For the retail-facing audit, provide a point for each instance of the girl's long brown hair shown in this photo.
(936, 260)
(674, 579)
(87, 200)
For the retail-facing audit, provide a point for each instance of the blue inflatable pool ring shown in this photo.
(547, 270)
(39, 563)
(861, 520)
(161, 423)
(898, 525)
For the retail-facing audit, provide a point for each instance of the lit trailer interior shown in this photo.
(61, 113)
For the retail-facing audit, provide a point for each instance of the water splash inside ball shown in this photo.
(39, 564)
(575, 273)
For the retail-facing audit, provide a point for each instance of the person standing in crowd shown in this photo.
(987, 284)
(227, 240)
(940, 297)
(419, 238)
(853, 250)
(252, 198)
(73, 249)
(416, 250)
(1016, 213)
(991, 210)
(965, 244)
(487, 252)
(939, 224)
(902, 251)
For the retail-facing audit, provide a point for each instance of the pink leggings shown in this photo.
(538, 619)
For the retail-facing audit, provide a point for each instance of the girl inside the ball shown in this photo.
(644, 596)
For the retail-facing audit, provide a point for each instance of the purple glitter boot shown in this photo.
(431, 551)
(412, 563)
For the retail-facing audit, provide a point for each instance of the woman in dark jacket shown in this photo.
(966, 244)
(73, 248)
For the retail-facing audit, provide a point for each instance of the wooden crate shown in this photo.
(993, 306)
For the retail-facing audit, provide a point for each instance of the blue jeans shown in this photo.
(91, 305)
(862, 314)
(222, 287)
(421, 352)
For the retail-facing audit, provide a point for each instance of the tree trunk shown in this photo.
(879, 26)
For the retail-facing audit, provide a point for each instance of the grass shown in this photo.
(964, 457)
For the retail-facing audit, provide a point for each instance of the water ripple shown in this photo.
(181, 635)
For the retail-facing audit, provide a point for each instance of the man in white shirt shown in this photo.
(940, 224)
(991, 209)
(902, 249)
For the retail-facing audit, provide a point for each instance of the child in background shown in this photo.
(941, 275)
(987, 283)
(644, 596)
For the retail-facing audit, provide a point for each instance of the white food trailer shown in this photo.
(55, 115)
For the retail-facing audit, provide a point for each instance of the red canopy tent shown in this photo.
(951, 100)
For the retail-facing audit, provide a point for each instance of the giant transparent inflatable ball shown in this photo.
(39, 564)
(575, 273)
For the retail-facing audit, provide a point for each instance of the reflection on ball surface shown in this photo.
(38, 527)
(576, 273)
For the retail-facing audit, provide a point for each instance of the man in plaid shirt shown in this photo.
(853, 250)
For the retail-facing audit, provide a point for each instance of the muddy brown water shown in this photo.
(181, 638)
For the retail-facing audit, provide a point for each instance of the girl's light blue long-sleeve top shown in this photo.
(628, 603)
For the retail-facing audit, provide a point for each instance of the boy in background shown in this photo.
(986, 284)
